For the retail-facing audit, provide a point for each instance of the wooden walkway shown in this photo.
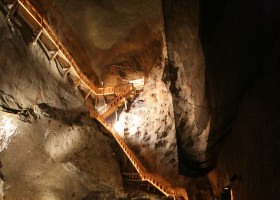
(58, 51)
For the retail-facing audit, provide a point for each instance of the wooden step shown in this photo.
(118, 101)
(113, 108)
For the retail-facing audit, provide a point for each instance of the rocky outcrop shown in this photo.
(50, 148)
(187, 72)
(148, 124)
(148, 127)
(101, 34)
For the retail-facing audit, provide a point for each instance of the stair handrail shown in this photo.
(67, 56)
(168, 189)
(134, 160)
(116, 99)
(165, 189)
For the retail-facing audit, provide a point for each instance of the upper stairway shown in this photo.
(60, 53)
(118, 101)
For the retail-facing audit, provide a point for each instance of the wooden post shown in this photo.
(37, 36)
(125, 103)
(77, 84)
(67, 70)
(96, 101)
(12, 10)
(116, 114)
(54, 55)
(87, 95)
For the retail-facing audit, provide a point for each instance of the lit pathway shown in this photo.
(59, 52)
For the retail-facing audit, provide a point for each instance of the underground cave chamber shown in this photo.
(139, 99)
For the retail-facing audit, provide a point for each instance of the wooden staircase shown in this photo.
(155, 180)
(118, 101)
(132, 177)
(57, 51)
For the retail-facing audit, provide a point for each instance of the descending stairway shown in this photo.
(155, 180)
(118, 101)
(122, 92)
(133, 177)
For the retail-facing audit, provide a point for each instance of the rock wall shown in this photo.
(187, 71)
(241, 44)
(148, 124)
(50, 148)
(101, 34)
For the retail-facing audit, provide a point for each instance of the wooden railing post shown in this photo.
(12, 10)
(37, 36)
(54, 55)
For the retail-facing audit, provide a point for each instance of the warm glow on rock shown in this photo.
(7, 130)
(118, 126)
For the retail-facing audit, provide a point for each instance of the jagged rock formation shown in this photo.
(58, 147)
(148, 126)
(187, 71)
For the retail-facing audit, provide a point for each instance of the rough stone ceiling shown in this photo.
(103, 33)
